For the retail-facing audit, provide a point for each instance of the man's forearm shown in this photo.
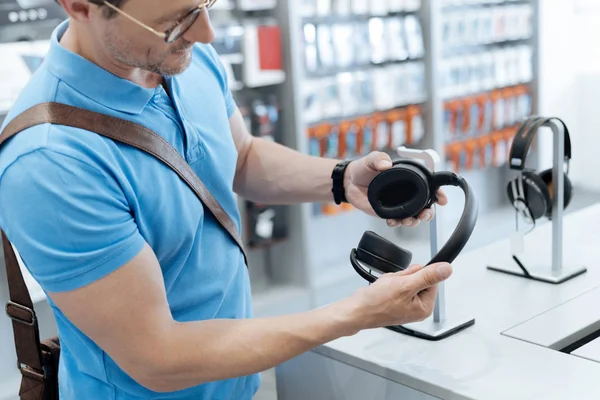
(272, 173)
(197, 352)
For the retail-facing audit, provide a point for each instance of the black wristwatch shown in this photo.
(337, 187)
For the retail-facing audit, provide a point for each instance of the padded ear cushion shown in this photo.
(536, 195)
(381, 254)
(401, 191)
(546, 177)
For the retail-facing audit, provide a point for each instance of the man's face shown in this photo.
(132, 45)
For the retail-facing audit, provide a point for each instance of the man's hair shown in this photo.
(108, 12)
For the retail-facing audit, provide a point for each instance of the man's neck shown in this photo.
(75, 42)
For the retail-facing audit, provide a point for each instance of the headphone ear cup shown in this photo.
(546, 177)
(536, 195)
(381, 254)
(401, 191)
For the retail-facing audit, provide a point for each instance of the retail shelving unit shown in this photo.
(485, 69)
(477, 56)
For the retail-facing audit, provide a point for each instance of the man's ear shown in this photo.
(79, 10)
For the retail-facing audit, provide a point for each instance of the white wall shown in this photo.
(570, 81)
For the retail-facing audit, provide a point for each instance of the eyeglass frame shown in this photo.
(165, 35)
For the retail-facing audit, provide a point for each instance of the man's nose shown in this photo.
(201, 31)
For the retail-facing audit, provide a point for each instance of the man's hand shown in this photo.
(359, 175)
(397, 298)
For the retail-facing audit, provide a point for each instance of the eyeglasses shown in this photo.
(178, 30)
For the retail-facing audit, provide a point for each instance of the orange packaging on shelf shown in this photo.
(415, 125)
(330, 209)
(352, 140)
(472, 156)
(381, 134)
(498, 113)
(314, 144)
(319, 132)
(467, 103)
(481, 104)
(519, 92)
(315, 147)
(486, 151)
(397, 120)
(447, 122)
(453, 156)
(456, 119)
(510, 110)
(346, 207)
(332, 141)
(364, 139)
(343, 145)
(500, 150)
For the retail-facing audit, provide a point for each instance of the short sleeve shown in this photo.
(69, 221)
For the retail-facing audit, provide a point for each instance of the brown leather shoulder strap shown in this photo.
(129, 133)
(20, 310)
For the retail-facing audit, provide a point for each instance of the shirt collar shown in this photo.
(93, 81)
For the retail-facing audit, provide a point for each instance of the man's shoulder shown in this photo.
(50, 139)
(57, 142)
(54, 143)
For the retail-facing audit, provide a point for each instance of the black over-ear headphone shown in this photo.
(531, 192)
(403, 191)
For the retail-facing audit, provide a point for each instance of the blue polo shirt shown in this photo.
(77, 206)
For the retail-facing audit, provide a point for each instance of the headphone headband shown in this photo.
(462, 232)
(525, 135)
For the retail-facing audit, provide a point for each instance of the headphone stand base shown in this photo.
(434, 331)
(544, 274)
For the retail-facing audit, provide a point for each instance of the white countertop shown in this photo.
(483, 362)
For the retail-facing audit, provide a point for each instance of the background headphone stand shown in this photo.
(559, 272)
(441, 324)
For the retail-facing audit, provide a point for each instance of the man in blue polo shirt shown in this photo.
(150, 294)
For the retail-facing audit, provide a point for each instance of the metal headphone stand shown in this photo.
(559, 272)
(440, 325)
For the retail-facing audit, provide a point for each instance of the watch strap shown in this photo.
(337, 187)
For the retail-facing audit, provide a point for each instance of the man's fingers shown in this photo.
(378, 161)
(427, 215)
(442, 198)
(429, 276)
(410, 222)
(410, 270)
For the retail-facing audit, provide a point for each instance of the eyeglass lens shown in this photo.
(183, 26)
(187, 22)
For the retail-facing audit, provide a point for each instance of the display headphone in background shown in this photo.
(403, 191)
(531, 192)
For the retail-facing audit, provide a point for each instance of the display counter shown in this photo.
(531, 340)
